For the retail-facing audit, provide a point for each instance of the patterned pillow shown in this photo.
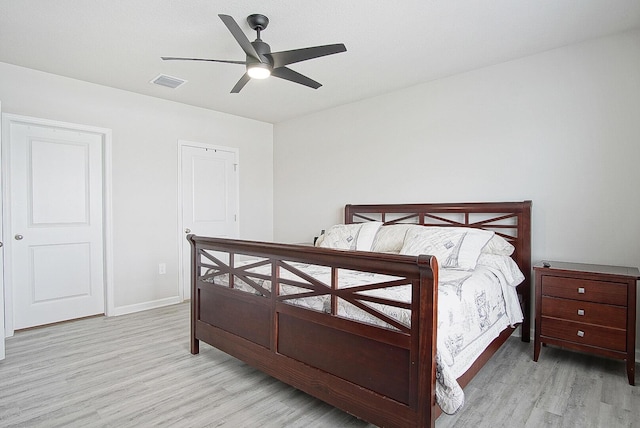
(453, 247)
(390, 239)
(357, 236)
(340, 236)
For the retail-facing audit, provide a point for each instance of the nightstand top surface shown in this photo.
(591, 268)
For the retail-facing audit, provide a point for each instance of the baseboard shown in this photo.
(129, 309)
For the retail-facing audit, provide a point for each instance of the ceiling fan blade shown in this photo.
(170, 58)
(240, 37)
(289, 57)
(243, 81)
(288, 74)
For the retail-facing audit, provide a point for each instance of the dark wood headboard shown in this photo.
(511, 220)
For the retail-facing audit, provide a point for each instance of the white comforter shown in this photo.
(473, 308)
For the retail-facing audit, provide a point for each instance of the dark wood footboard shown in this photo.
(383, 375)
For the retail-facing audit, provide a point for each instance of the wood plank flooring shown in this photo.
(136, 371)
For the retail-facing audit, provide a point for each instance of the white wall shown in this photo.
(561, 128)
(146, 131)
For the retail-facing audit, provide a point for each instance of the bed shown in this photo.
(281, 307)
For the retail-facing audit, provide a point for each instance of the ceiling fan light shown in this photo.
(259, 71)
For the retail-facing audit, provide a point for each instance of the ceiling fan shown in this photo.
(261, 62)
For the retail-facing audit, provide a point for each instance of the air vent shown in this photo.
(168, 81)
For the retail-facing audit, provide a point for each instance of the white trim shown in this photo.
(181, 235)
(7, 120)
(108, 223)
(181, 143)
(137, 307)
(6, 224)
(2, 331)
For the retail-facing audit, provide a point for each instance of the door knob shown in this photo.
(19, 237)
(187, 230)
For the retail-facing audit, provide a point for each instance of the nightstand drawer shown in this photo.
(585, 312)
(586, 334)
(612, 293)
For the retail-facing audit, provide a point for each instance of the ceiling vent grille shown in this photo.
(168, 81)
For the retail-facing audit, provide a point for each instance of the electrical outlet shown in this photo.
(162, 268)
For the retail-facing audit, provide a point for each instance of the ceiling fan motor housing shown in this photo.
(262, 49)
(257, 21)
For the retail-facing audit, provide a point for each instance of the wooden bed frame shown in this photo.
(385, 376)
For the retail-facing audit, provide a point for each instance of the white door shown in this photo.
(209, 193)
(2, 332)
(56, 195)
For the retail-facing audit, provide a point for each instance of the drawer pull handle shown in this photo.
(580, 333)
(580, 312)
(580, 290)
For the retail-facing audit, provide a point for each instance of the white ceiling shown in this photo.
(390, 44)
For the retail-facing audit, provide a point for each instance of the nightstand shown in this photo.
(589, 308)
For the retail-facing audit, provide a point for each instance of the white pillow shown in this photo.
(390, 239)
(475, 240)
(498, 245)
(453, 247)
(356, 236)
(366, 235)
(340, 236)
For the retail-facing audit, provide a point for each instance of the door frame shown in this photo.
(2, 303)
(5, 141)
(181, 234)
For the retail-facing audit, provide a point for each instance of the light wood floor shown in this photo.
(136, 371)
